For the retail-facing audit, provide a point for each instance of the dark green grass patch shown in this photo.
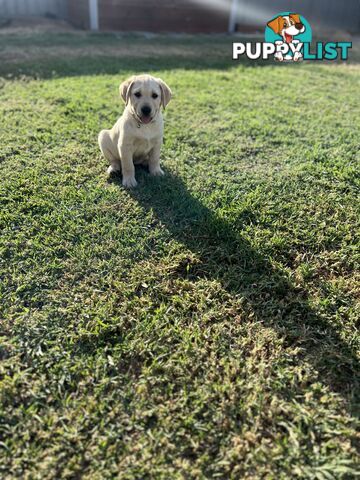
(203, 325)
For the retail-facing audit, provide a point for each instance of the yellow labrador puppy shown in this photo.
(137, 135)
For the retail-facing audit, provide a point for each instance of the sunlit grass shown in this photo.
(203, 325)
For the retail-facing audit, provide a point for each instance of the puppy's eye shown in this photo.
(154, 95)
(137, 94)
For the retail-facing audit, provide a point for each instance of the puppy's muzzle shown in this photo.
(145, 116)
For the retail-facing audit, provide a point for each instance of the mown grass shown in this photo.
(204, 324)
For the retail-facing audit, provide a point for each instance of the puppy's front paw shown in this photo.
(157, 172)
(129, 182)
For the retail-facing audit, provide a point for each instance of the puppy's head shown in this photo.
(290, 24)
(145, 95)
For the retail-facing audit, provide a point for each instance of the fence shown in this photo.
(19, 8)
(335, 14)
(187, 15)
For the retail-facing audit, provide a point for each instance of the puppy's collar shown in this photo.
(136, 118)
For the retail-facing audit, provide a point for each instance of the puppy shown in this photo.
(287, 26)
(137, 135)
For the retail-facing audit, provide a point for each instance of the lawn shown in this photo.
(202, 325)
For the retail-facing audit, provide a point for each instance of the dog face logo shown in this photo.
(288, 30)
(288, 26)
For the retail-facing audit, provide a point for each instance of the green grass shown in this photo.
(202, 326)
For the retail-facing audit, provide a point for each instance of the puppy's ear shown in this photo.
(165, 92)
(125, 89)
(277, 24)
(295, 17)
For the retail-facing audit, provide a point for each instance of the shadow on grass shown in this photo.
(243, 272)
(93, 65)
(60, 56)
(46, 55)
(51, 55)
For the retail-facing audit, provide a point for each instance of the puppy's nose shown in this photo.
(146, 110)
(299, 26)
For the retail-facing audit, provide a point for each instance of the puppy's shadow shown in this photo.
(243, 272)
